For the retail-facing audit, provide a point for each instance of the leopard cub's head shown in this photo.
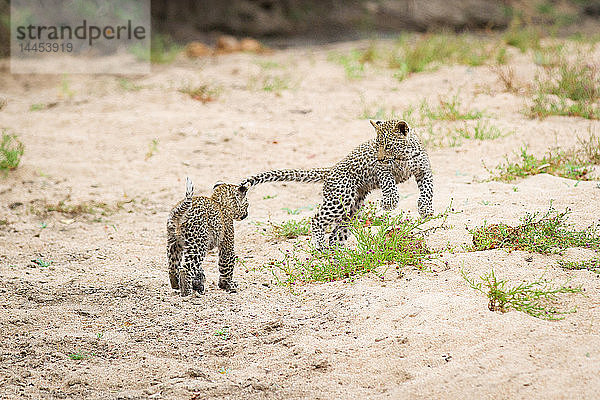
(232, 199)
(393, 140)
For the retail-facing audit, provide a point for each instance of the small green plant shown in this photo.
(567, 88)
(289, 229)
(382, 241)
(65, 88)
(37, 107)
(222, 370)
(522, 37)
(152, 149)
(99, 335)
(417, 53)
(549, 56)
(501, 57)
(532, 298)
(275, 84)
(202, 93)
(422, 53)
(265, 65)
(353, 63)
(545, 233)
(267, 197)
(574, 163)
(223, 333)
(590, 265)
(483, 130)
(11, 150)
(42, 263)
(79, 355)
(128, 85)
(270, 82)
(544, 105)
(449, 109)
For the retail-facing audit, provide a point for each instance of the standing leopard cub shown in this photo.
(198, 224)
(392, 157)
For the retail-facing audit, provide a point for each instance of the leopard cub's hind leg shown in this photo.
(226, 264)
(191, 274)
(174, 252)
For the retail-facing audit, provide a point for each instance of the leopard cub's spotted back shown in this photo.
(198, 224)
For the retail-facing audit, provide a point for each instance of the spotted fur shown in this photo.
(392, 157)
(198, 224)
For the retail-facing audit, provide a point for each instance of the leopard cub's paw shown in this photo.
(228, 285)
(426, 211)
(198, 285)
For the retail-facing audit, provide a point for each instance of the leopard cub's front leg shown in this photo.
(387, 183)
(425, 183)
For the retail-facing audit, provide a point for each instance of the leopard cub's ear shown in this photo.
(402, 127)
(219, 183)
(375, 124)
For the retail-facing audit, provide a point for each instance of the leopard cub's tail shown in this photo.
(180, 209)
(287, 175)
(189, 188)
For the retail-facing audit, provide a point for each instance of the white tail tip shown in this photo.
(189, 187)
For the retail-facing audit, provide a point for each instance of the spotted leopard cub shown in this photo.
(392, 157)
(198, 224)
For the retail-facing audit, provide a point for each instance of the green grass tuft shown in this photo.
(11, 150)
(128, 85)
(415, 54)
(483, 130)
(353, 63)
(286, 230)
(532, 298)
(42, 263)
(568, 88)
(418, 53)
(449, 109)
(522, 37)
(80, 355)
(223, 333)
(574, 163)
(543, 233)
(152, 149)
(590, 265)
(383, 241)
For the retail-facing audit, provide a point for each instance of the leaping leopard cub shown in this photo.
(392, 157)
(198, 224)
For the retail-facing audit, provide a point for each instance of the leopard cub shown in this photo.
(198, 224)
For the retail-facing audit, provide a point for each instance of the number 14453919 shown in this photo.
(45, 47)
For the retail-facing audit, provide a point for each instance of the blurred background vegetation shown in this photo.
(284, 22)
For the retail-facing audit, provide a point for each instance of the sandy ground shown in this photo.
(106, 294)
